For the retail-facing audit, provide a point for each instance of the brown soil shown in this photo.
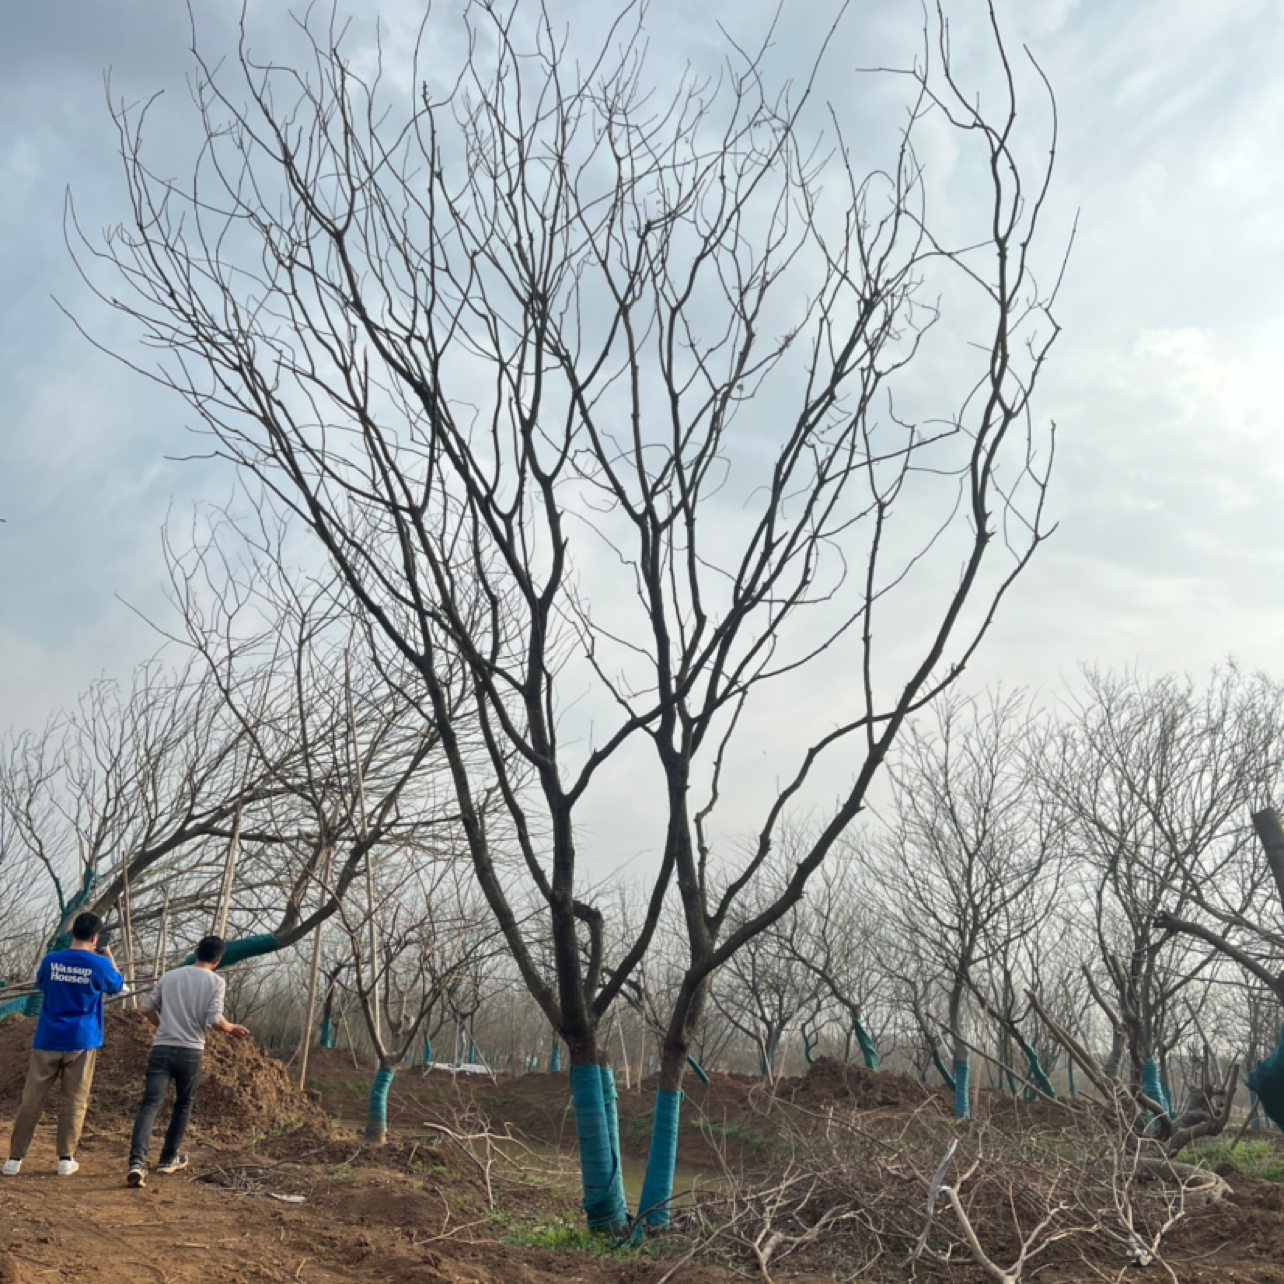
(241, 1090)
(419, 1209)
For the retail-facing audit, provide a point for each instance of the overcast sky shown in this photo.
(1168, 486)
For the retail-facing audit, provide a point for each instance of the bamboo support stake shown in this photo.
(127, 928)
(229, 873)
(158, 968)
(370, 886)
(624, 1051)
(312, 975)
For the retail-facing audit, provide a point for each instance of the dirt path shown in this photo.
(356, 1224)
(174, 1231)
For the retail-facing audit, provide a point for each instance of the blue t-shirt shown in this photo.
(73, 983)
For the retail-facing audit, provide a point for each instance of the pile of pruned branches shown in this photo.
(875, 1195)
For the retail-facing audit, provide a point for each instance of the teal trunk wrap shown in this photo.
(377, 1105)
(555, 1058)
(427, 1051)
(31, 1005)
(1070, 1078)
(599, 1170)
(1266, 1079)
(1037, 1074)
(867, 1048)
(13, 1007)
(944, 1073)
(327, 1033)
(1151, 1086)
(612, 1112)
(961, 1107)
(472, 1054)
(657, 1185)
(247, 947)
(62, 940)
(698, 1069)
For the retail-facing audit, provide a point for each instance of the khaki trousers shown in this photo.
(77, 1071)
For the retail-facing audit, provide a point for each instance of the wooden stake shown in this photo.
(641, 1047)
(312, 976)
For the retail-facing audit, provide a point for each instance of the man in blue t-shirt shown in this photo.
(68, 1036)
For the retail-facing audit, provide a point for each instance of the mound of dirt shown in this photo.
(830, 1082)
(241, 1089)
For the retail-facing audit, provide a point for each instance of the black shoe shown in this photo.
(167, 1166)
(137, 1176)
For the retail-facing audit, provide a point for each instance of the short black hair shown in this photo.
(210, 950)
(86, 927)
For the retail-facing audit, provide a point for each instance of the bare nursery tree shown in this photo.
(973, 860)
(352, 758)
(633, 399)
(1155, 780)
(843, 938)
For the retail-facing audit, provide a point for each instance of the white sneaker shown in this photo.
(67, 1166)
(12, 1167)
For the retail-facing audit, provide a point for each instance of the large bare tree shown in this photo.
(643, 398)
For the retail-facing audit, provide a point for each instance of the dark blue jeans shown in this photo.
(183, 1066)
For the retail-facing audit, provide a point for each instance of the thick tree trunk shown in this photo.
(377, 1105)
(662, 1153)
(959, 1049)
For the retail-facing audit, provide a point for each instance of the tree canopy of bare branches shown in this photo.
(594, 384)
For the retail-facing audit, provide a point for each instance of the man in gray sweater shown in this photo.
(183, 1005)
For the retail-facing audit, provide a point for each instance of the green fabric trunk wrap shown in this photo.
(377, 1105)
(657, 1185)
(1151, 1086)
(1037, 1075)
(427, 1050)
(1266, 1079)
(555, 1059)
(472, 1054)
(945, 1074)
(699, 1070)
(961, 1107)
(31, 1005)
(327, 1033)
(1070, 1076)
(247, 947)
(612, 1111)
(867, 1048)
(599, 1167)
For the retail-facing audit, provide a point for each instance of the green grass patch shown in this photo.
(562, 1236)
(637, 1129)
(755, 1140)
(1263, 1159)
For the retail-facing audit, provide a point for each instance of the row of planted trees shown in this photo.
(999, 867)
